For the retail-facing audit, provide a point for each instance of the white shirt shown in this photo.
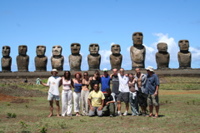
(53, 83)
(123, 83)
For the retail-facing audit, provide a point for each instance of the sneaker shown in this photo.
(111, 115)
(119, 113)
(125, 113)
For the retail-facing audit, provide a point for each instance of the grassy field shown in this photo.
(179, 112)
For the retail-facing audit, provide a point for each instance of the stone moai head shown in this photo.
(6, 51)
(137, 38)
(116, 49)
(162, 47)
(40, 50)
(183, 45)
(75, 48)
(94, 49)
(57, 50)
(22, 49)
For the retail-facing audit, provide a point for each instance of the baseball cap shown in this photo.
(105, 69)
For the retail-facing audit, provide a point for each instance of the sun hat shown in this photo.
(150, 68)
(54, 70)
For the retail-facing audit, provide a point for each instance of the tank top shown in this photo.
(77, 87)
(92, 82)
(85, 85)
(115, 84)
(66, 84)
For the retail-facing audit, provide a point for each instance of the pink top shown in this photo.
(66, 84)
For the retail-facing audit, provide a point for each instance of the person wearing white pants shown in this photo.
(85, 93)
(67, 94)
(67, 102)
(77, 100)
(77, 92)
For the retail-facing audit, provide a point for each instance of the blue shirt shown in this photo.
(105, 83)
(151, 83)
(77, 87)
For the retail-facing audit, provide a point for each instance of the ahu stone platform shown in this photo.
(42, 75)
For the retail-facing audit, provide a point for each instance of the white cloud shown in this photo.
(105, 59)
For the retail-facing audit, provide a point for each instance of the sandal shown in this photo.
(150, 115)
(156, 116)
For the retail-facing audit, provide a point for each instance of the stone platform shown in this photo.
(161, 73)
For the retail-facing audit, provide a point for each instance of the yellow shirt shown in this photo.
(96, 98)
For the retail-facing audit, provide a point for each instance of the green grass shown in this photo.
(179, 112)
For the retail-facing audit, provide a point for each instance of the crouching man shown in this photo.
(109, 107)
(96, 101)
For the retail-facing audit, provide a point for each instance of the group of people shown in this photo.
(95, 96)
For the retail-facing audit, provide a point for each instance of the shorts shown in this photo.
(153, 100)
(53, 97)
(123, 97)
(115, 95)
(142, 99)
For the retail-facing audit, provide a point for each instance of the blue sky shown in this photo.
(62, 22)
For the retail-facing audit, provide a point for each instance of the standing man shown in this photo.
(142, 96)
(105, 80)
(124, 92)
(152, 86)
(115, 83)
(96, 101)
(53, 94)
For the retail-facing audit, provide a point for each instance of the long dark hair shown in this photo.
(68, 77)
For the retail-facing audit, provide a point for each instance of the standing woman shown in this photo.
(96, 79)
(77, 92)
(67, 94)
(133, 100)
(85, 93)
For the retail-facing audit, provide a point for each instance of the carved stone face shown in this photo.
(40, 50)
(137, 38)
(162, 47)
(5, 51)
(75, 48)
(22, 49)
(115, 48)
(94, 48)
(184, 45)
(57, 50)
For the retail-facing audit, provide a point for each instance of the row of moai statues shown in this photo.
(137, 53)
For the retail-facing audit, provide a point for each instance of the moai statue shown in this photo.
(41, 59)
(162, 56)
(116, 57)
(94, 58)
(22, 59)
(184, 55)
(6, 60)
(57, 59)
(137, 51)
(75, 58)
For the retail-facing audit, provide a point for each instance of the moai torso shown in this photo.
(94, 58)
(22, 59)
(6, 60)
(184, 56)
(41, 59)
(137, 51)
(162, 56)
(116, 57)
(75, 58)
(57, 59)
